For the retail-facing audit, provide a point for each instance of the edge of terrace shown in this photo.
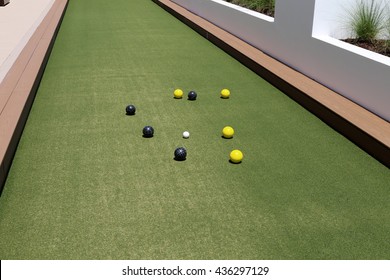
(19, 86)
(365, 129)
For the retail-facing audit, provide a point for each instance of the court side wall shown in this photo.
(300, 37)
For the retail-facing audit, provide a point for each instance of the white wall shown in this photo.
(300, 36)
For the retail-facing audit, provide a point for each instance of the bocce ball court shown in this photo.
(85, 184)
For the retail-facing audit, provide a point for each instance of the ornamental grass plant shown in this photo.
(369, 25)
(366, 20)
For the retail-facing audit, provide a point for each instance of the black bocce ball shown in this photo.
(148, 131)
(180, 153)
(130, 110)
(192, 95)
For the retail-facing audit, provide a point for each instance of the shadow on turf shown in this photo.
(177, 159)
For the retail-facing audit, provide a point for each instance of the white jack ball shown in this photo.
(186, 134)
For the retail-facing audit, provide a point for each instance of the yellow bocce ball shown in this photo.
(236, 156)
(225, 93)
(227, 132)
(178, 93)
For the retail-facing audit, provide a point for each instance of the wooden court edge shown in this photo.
(365, 129)
(18, 89)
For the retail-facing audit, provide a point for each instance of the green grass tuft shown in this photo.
(366, 20)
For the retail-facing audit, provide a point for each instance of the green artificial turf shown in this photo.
(85, 184)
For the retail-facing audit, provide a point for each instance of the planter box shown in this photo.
(4, 2)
